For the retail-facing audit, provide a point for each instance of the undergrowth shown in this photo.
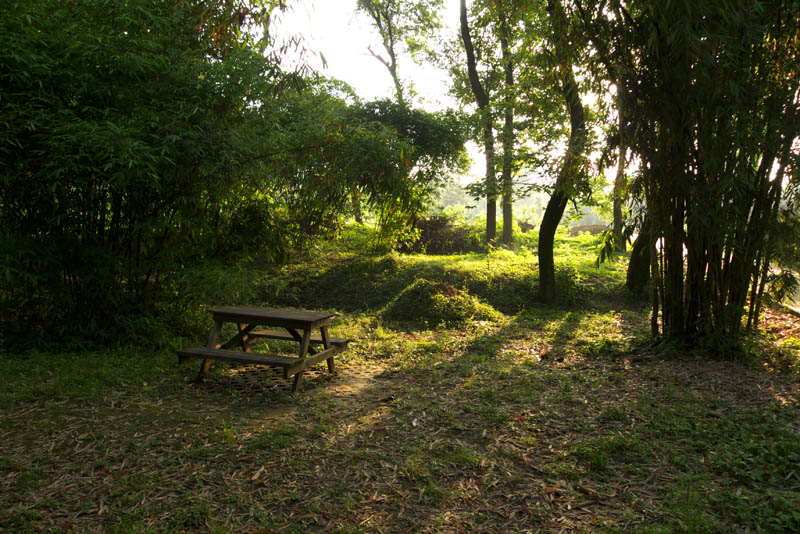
(437, 304)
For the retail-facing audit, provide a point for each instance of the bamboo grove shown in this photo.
(709, 93)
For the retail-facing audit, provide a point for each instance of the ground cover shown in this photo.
(561, 419)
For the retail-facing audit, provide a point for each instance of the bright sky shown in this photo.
(333, 28)
(342, 36)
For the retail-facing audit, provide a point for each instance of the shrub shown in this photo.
(570, 287)
(436, 303)
(441, 234)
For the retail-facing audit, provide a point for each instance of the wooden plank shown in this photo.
(239, 338)
(324, 355)
(213, 337)
(272, 316)
(297, 336)
(275, 360)
(298, 380)
(326, 342)
(245, 338)
(277, 334)
(302, 353)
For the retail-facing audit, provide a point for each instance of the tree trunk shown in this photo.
(571, 167)
(547, 231)
(619, 197)
(639, 265)
(482, 99)
(383, 19)
(357, 207)
(491, 181)
(508, 131)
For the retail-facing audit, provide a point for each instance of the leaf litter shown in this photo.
(483, 440)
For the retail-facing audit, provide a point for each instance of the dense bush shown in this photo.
(440, 234)
(437, 303)
(121, 156)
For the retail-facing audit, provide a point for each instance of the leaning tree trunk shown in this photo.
(570, 169)
(547, 231)
(482, 99)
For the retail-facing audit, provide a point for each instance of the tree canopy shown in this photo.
(141, 136)
(138, 137)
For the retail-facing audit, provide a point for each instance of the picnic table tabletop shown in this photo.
(272, 316)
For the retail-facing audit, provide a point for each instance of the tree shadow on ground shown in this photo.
(486, 438)
(563, 330)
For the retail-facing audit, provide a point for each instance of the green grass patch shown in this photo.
(273, 440)
(437, 304)
(88, 376)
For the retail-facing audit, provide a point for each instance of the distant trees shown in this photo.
(708, 105)
(403, 25)
(496, 68)
(525, 89)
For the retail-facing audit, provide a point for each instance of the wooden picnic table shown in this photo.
(296, 325)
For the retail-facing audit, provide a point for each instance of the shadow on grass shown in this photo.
(582, 328)
(483, 439)
(356, 283)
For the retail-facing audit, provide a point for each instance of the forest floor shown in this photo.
(560, 419)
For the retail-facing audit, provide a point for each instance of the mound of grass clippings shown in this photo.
(437, 303)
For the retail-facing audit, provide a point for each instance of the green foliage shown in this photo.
(440, 234)
(782, 281)
(607, 248)
(432, 149)
(432, 303)
(569, 282)
(718, 156)
(119, 154)
(140, 141)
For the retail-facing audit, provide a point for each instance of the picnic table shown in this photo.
(296, 325)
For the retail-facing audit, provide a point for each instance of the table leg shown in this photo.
(304, 344)
(298, 379)
(326, 344)
(245, 343)
(213, 341)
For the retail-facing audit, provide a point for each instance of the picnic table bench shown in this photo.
(297, 325)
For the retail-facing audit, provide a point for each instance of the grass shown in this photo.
(537, 419)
